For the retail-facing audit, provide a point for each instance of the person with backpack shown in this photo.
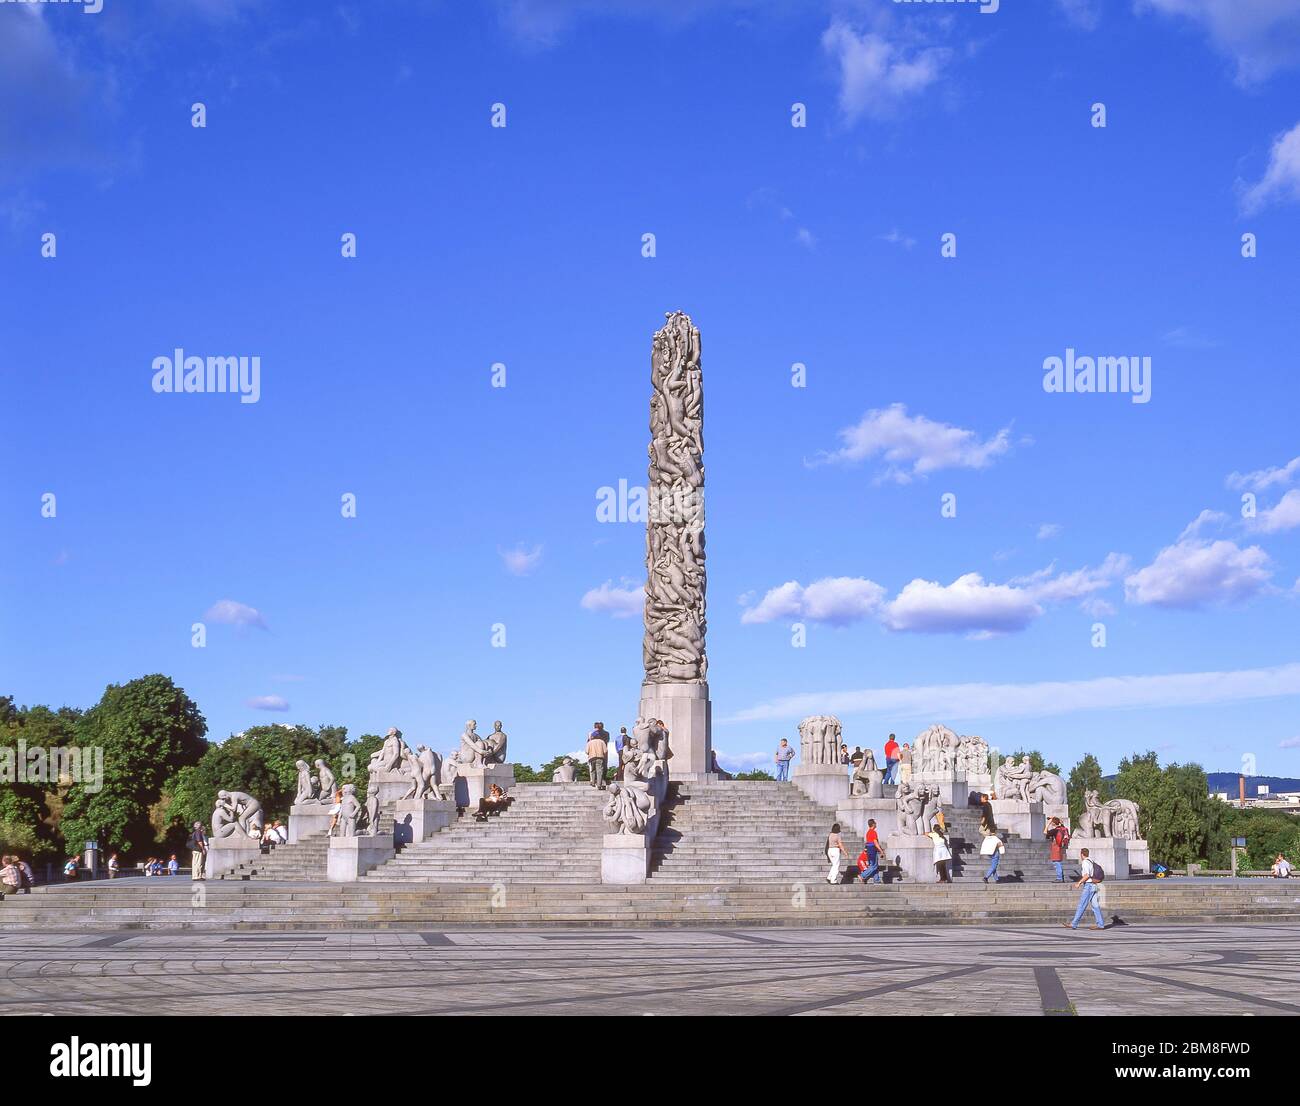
(1059, 836)
(1090, 878)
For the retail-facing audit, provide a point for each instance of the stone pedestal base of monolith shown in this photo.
(952, 786)
(1110, 852)
(352, 857)
(390, 786)
(688, 717)
(825, 784)
(473, 784)
(853, 812)
(306, 819)
(625, 857)
(229, 853)
(1016, 816)
(1139, 856)
(414, 820)
(914, 857)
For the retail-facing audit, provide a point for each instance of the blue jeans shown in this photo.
(1088, 897)
(873, 869)
(992, 873)
(783, 770)
(891, 771)
(1060, 872)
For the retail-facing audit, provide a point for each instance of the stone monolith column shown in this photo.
(676, 685)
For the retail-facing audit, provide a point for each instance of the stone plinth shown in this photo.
(1057, 810)
(688, 717)
(1026, 820)
(952, 787)
(414, 820)
(827, 784)
(390, 786)
(1139, 856)
(914, 857)
(625, 857)
(854, 811)
(473, 784)
(230, 852)
(1110, 852)
(306, 819)
(351, 857)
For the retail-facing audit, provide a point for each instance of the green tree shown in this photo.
(754, 774)
(28, 807)
(1086, 776)
(1180, 821)
(148, 729)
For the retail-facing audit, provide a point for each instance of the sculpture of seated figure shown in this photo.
(565, 772)
(474, 750)
(307, 784)
(495, 746)
(388, 757)
(237, 813)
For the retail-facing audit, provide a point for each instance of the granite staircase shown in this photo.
(303, 860)
(1023, 862)
(733, 831)
(550, 833)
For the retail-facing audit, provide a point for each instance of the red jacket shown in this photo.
(891, 750)
(1058, 850)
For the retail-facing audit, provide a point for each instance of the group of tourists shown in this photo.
(898, 760)
(599, 742)
(15, 876)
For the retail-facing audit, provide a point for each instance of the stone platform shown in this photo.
(135, 904)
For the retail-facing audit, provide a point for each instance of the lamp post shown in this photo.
(1237, 843)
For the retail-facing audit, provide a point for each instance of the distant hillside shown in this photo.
(1227, 781)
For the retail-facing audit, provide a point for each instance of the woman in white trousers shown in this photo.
(834, 850)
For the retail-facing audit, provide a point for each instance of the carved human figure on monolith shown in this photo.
(494, 751)
(327, 783)
(473, 749)
(307, 784)
(388, 757)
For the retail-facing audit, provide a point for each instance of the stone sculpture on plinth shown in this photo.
(565, 772)
(1116, 818)
(479, 763)
(1011, 780)
(818, 773)
(389, 777)
(676, 687)
(237, 822)
(326, 782)
(632, 811)
(1112, 835)
(355, 844)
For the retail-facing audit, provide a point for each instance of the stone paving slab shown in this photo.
(1173, 969)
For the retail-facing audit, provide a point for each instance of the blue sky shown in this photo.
(522, 245)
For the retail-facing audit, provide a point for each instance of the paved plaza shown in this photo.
(970, 970)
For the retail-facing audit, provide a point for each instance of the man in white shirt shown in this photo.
(1281, 869)
(1090, 878)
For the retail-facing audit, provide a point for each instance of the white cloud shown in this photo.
(1049, 530)
(1097, 607)
(1261, 36)
(806, 238)
(618, 602)
(876, 75)
(913, 445)
(1084, 14)
(1284, 516)
(897, 238)
(228, 612)
(983, 700)
(1205, 518)
(1193, 573)
(968, 605)
(1044, 587)
(1261, 479)
(268, 702)
(1289, 743)
(747, 762)
(836, 600)
(520, 561)
(1281, 180)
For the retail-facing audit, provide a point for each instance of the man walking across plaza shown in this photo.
(198, 844)
(1059, 836)
(891, 760)
(784, 755)
(871, 847)
(597, 754)
(1090, 880)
